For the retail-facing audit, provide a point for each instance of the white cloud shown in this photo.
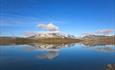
(105, 31)
(50, 27)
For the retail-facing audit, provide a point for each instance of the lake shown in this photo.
(56, 56)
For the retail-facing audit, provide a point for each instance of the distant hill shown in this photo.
(98, 39)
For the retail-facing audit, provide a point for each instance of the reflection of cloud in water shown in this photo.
(49, 55)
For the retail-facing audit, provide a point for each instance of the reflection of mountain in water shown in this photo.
(103, 47)
(52, 49)
(48, 47)
(51, 46)
(92, 44)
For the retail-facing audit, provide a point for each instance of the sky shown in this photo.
(70, 16)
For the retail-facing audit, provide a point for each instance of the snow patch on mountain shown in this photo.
(51, 34)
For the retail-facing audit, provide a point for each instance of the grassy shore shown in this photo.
(8, 40)
(58, 40)
(89, 40)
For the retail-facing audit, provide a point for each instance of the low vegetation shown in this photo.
(92, 40)
(58, 40)
(8, 40)
(85, 40)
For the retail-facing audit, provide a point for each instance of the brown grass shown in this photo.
(44, 40)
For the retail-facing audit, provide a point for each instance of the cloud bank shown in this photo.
(105, 31)
(100, 32)
(49, 27)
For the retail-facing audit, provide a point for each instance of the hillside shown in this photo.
(46, 37)
(57, 38)
(98, 39)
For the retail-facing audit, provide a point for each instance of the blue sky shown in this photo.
(71, 16)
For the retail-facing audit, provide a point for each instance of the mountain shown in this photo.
(97, 36)
(43, 35)
(92, 40)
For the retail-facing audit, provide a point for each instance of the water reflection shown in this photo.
(70, 56)
(91, 44)
(100, 46)
(50, 46)
(52, 50)
(49, 55)
(56, 47)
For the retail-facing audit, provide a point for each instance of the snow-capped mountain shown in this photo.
(51, 34)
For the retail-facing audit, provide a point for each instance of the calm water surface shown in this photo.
(56, 57)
